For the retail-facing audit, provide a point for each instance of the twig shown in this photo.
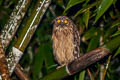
(52, 11)
(102, 67)
(90, 74)
(106, 67)
(20, 73)
(3, 66)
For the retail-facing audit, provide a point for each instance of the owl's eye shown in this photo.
(65, 21)
(58, 21)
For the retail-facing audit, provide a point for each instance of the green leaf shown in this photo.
(49, 59)
(44, 54)
(105, 4)
(72, 3)
(60, 3)
(86, 18)
(1, 1)
(38, 62)
(90, 33)
(82, 75)
(117, 52)
(117, 33)
(116, 24)
(93, 43)
(109, 32)
(87, 7)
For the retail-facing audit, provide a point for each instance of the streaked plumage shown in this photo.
(66, 40)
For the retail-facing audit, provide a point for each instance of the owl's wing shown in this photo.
(76, 51)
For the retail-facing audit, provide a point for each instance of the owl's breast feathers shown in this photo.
(65, 44)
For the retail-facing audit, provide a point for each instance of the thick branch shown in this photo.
(86, 60)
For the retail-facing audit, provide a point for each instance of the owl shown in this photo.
(66, 41)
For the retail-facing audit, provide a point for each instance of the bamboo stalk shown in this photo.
(84, 61)
(26, 34)
(13, 23)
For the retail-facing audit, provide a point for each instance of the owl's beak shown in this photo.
(62, 23)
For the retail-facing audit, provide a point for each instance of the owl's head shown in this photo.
(62, 21)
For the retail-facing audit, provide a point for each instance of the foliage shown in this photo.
(98, 22)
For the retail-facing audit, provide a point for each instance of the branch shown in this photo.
(85, 61)
(20, 73)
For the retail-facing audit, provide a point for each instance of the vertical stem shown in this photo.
(90, 74)
(102, 67)
(106, 67)
(102, 71)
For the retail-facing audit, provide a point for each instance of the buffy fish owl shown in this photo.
(66, 40)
